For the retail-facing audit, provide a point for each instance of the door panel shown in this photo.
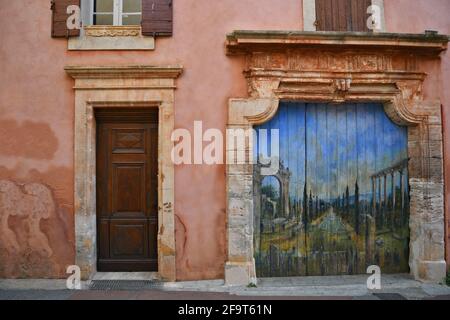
(127, 190)
(129, 239)
(340, 201)
(128, 141)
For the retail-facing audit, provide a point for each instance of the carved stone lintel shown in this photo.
(112, 31)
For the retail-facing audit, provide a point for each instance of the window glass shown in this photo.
(131, 19)
(131, 5)
(103, 19)
(104, 6)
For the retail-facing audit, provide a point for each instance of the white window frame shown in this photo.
(117, 12)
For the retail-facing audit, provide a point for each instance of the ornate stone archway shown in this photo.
(338, 68)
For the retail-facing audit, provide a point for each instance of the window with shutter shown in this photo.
(157, 17)
(342, 15)
(60, 17)
(116, 12)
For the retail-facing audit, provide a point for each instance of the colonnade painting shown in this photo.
(340, 201)
(390, 195)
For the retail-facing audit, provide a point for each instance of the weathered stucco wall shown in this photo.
(37, 115)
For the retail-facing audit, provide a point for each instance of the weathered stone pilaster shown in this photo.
(427, 244)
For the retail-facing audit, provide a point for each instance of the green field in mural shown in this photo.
(340, 200)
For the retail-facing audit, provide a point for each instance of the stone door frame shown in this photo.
(336, 68)
(125, 87)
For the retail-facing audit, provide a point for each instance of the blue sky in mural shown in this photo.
(333, 146)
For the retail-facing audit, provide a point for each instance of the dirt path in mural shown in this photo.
(330, 233)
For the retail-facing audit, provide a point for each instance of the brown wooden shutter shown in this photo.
(59, 18)
(324, 17)
(157, 17)
(342, 15)
(359, 14)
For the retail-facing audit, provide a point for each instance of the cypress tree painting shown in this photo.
(340, 200)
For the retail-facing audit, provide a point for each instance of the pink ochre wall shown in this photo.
(37, 122)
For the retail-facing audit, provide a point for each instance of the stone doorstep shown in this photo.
(126, 276)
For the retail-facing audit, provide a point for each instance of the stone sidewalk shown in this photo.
(394, 287)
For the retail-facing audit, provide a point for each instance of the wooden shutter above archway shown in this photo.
(157, 17)
(342, 15)
(59, 18)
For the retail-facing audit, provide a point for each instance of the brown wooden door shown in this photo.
(127, 214)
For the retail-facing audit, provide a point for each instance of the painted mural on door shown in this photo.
(340, 200)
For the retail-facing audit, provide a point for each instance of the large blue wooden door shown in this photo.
(340, 200)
